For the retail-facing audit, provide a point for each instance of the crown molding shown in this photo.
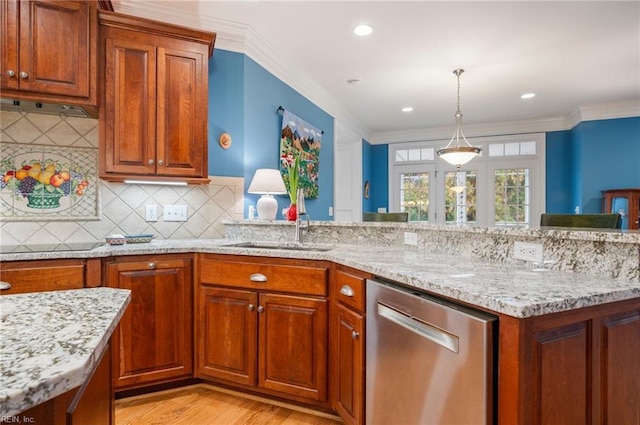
(611, 110)
(605, 111)
(471, 130)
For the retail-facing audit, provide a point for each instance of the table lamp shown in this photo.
(267, 182)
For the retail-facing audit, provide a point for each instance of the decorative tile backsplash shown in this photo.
(115, 207)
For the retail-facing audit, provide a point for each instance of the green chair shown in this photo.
(591, 221)
(371, 216)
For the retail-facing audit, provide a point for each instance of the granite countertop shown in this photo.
(52, 341)
(516, 290)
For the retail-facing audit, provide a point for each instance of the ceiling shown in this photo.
(572, 55)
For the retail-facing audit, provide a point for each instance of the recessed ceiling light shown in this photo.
(528, 96)
(363, 29)
(407, 109)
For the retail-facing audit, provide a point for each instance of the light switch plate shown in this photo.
(175, 213)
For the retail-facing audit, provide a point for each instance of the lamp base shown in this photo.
(267, 207)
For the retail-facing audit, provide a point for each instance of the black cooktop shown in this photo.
(53, 247)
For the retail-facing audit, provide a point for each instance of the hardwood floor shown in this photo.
(204, 404)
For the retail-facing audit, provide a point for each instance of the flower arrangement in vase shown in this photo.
(291, 165)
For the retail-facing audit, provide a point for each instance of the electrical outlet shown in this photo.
(151, 212)
(175, 213)
(528, 251)
(410, 238)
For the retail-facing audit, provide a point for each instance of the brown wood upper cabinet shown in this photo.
(153, 342)
(153, 115)
(49, 51)
(262, 324)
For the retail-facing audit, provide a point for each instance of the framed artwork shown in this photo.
(302, 141)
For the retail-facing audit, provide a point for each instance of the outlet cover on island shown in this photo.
(410, 238)
(175, 213)
(528, 251)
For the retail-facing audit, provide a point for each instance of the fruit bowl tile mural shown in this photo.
(42, 182)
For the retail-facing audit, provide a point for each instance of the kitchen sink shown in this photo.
(279, 246)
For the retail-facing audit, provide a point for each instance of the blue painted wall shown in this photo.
(377, 164)
(226, 113)
(559, 173)
(243, 100)
(367, 204)
(609, 158)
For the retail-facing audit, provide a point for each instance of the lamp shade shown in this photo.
(459, 155)
(267, 181)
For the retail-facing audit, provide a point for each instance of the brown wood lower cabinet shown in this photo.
(153, 342)
(250, 334)
(575, 367)
(48, 275)
(348, 288)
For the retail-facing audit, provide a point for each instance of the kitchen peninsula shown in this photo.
(568, 328)
(54, 357)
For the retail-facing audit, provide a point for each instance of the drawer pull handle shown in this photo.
(24, 75)
(11, 73)
(347, 291)
(355, 335)
(260, 309)
(4, 286)
(251, 307)
(258, 277)
(151, 266)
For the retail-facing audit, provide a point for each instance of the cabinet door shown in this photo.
(154, 339)
(55, 47)
(9, 44)
(292, 355)
(129, 123)
(182, 122)
(348, 369)
(619, 367)
(226, 334)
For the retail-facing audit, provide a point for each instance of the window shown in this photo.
(504, 186)
(460, 197)
(512, 197)
(414, 195)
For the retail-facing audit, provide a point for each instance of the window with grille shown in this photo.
(512, 197)
(414, 195)
(504, 186)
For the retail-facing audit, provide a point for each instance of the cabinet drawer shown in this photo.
(349, 289)
(307, 278)
(42, 275)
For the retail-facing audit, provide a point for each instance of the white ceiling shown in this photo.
(573, 55)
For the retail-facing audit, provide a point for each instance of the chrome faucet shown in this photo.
(300, 211)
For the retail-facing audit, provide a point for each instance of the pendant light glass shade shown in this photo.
(458, 152)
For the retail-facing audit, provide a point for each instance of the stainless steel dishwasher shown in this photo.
(429, 361)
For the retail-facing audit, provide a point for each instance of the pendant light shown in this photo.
(457, 153)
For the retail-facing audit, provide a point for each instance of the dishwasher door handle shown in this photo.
(432, 333)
